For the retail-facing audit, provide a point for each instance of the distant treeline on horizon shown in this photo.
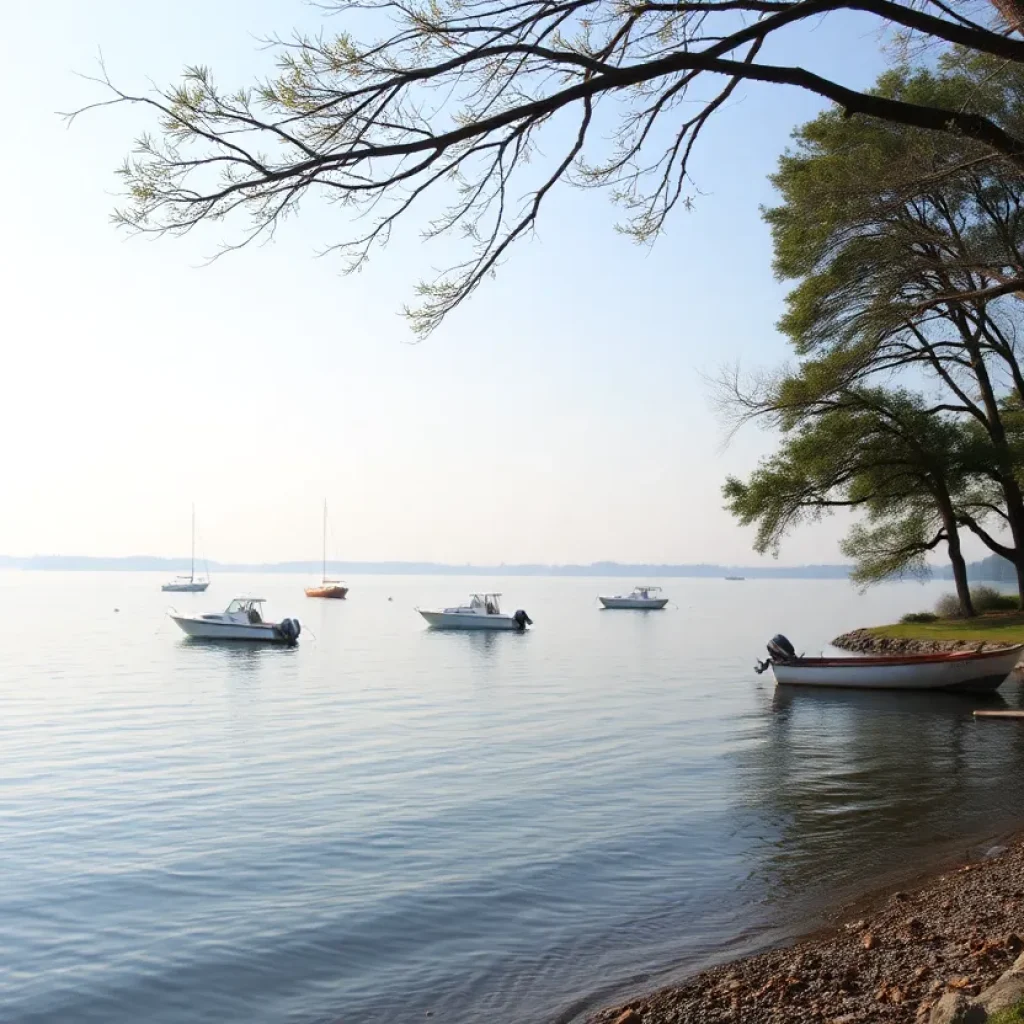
(147, 563)
(994, 568)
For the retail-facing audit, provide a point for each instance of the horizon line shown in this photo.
(156, 563)
(141, 562)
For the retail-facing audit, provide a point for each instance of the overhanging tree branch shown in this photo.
(457, 99)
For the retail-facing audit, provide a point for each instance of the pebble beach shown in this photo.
(888, 960)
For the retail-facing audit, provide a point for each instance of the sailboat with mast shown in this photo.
(189, 584)
(327, 588)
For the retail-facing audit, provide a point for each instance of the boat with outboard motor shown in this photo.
(971, 671)
(241, 620)
(482, 612)
(641, 597)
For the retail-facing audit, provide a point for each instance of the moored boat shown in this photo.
(328, 588)
(972, 671)
(639, 597)
(189, 584)
(482, 612)
(241, 620)
(185, 585)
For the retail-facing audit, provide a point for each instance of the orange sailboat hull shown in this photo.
(327, 590)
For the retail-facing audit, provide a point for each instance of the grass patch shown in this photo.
(1011, 1015)
(995, 627)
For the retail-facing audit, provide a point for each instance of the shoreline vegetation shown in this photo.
(998, 622)
(921, 955)
(995, 629)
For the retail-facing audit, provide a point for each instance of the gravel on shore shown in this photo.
(957, 932)
(866, 641)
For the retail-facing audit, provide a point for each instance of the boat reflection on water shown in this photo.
(837, 808)
(246, 658)
(926, 704)
(486, 643)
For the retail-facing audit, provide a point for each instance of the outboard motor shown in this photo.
(522, 619)
(289, 629)
(779, 650)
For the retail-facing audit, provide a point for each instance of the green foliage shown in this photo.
(917, 617)
(872, 450)
(948, 607)
(984, 599)
(1011, 1015)
(893, 548)
(868, 207)
(988, 599)
(907, 252)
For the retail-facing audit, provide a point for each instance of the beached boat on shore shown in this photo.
(959, 671)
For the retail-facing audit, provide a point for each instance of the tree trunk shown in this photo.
(997, 434)
(1015, 515)
(956, 558)
(963, 590)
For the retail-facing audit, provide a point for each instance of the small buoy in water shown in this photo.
(117, 609)
(391, 599)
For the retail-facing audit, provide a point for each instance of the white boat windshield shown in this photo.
(487, 604)
(245, 604)
(646, 592)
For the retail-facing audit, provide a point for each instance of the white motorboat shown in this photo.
(241, 620)
(189, 584)
(482, 612)
(640, 597)
(965, 671)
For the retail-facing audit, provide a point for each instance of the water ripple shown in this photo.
(387, 821)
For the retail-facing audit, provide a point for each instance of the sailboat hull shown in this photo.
(328, 590)
(189, 584)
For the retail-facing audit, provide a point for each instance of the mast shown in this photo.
(192, 566)
(323, 577)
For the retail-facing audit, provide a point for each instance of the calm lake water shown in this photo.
(387, 821)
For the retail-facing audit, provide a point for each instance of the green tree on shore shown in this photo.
(908, 252)
(877, 451)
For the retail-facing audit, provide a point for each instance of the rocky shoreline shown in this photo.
(955, 936)
(865, 641)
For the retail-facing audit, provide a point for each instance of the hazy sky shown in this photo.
(562, 415)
